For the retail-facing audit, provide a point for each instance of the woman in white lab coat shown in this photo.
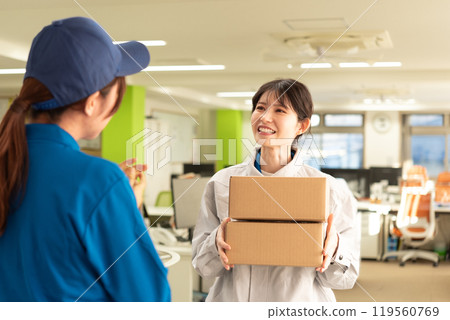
(281, 113)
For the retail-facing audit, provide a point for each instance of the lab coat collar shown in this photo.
(292, 168)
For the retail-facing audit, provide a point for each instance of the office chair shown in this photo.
(164, 199)
(443, 187)
(416, 176)
(416, 222)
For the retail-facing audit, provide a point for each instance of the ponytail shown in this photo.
(13, 141)
(14, 148)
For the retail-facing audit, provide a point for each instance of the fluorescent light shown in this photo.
(241, 94)
(389, 101)
(12, 71)
(386, 64)
(381, 64)
(322, 65)
(248, 102)
(154, 43)
(185, 68)
(147, 43)
(354, 65)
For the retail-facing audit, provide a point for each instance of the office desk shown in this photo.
(438, 208)
(168, 257)
(160, 211)
(181, 274)
(386, 208)
(375, 221)
(383, 208)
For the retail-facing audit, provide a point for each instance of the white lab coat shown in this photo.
(274, 283)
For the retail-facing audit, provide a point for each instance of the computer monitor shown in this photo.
(385, 173)
(187, 196)
(204, 169)
(357, 179)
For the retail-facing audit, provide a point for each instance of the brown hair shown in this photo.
(288, 92)
(13, 142)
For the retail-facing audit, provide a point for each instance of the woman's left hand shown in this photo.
(331, 244)
(136, 176)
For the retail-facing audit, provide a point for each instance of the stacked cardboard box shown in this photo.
(279, 220)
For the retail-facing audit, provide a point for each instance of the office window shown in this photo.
(342, 150)
(343, 120)
(336, 141)
(426, 120)
(427, 141)
(335, 150)
(315, 120)
(447, 168)
(429, 151)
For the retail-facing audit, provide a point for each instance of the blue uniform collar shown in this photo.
(52, 133)
(258, 159)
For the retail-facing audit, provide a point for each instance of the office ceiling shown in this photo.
(249, 38)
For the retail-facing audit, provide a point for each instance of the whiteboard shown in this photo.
(182, 130)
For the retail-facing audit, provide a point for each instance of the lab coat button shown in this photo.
(341, 257)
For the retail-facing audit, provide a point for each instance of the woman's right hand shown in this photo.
(136, 176)
(222, 245)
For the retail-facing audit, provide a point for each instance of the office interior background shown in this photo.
(378, 71)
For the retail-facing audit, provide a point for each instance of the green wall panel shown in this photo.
(126, 123)
(229, 131)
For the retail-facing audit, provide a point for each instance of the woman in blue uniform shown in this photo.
(69, 222)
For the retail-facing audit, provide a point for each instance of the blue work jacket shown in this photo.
(78, 234)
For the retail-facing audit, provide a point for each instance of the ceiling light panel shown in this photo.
(186, 68)
(322, 65)
(236, 94)
(13, 71)
(147, 43)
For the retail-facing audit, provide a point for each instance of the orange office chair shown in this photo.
(443, 188)
(416, 176)
(416, 222)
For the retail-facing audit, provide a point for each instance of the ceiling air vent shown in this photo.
(303, 45)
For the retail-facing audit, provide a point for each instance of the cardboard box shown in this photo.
(279, 198)
(275, 243)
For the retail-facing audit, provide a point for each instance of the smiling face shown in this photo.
(274, 124)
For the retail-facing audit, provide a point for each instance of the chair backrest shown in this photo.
(443, 187)
(417, 171)
(443, 177)
(416, 176)
(416, 218)
(442, 194)
(164, 199)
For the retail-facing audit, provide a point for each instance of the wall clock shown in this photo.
(381, 123)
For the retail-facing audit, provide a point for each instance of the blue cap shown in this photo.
(75, 57)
